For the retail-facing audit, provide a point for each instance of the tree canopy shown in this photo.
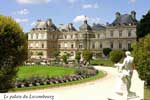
(141, 53)
(143, 27)
(13, 51)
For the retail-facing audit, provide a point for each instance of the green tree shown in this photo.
(87, 56)
(64, 58)
(13, 51)
(116, 55)
(40, 53)
(56, 55)
(143, 28)
(78, 57)
(141, 53)
(106, 51)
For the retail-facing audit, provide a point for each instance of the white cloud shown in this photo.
(95, 20)
(33, 1)
(132, 1)
(86, 6)
(22, 20)
(72, 1)
(91, 20)
(80, 18)
(22, 12)
(33, 24)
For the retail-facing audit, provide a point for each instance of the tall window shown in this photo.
(72, 46)
(101, 46)
(31, 36)
(42, 45)
(93, 46)
(80, 45)
(120, 46)
(59, 46)
(129, 33)
(98, 36)
(120, 33)
(129, 45)
(65, 36)
(37, 36)
(71, 36)
(111, 45)
(111, 33)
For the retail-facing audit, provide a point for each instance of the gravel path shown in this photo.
(99, 89)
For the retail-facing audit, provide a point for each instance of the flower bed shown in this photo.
(81, 73)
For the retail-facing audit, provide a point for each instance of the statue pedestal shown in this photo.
(137, 87)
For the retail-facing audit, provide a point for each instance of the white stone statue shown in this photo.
(125, 74)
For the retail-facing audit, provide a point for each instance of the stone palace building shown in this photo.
(45, 38)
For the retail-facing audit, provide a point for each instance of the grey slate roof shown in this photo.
(40, 24)
(125, 19)
(67, 28)
(98, 27)
(85, 27)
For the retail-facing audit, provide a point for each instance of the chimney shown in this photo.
(117, 14)
(49, 22)
(133, 14)
(85, 21)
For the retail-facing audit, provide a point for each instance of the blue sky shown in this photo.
(26, 12)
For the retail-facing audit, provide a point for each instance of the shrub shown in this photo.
(78, 56)
(116, 55)
(64, 58)
(87, 55)
(106, 51)
(141, 53)
(13, 51)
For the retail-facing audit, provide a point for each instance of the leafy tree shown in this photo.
(13, 51)
(116, 55)
(64, 58)
(106, 51)
(40, 53)
(141, 53)
(143, 28)
(87, 55)
(56, 55)
(78, 56)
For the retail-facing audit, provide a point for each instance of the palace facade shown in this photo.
(45, 38)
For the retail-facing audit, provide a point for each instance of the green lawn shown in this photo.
(99, 75)
(146, 93)
(101, 61)
(30, 71)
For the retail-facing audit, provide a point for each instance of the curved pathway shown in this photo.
(99, 89)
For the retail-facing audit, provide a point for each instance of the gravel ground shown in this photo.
(100, 89)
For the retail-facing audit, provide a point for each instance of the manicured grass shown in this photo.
(30, 71)
(146, 93)
(99, 75)
(101, 61)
